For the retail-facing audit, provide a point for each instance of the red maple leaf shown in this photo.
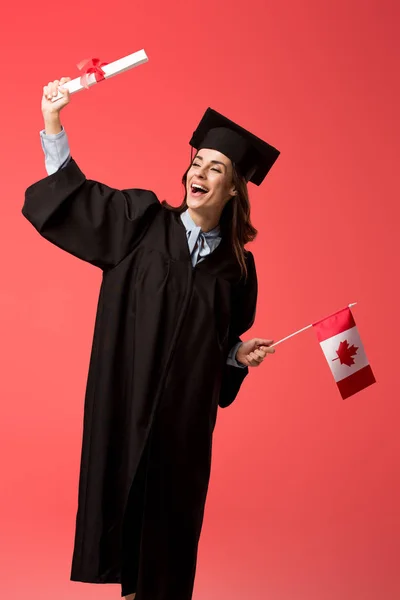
(345, 353)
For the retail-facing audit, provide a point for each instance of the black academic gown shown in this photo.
(157, 375)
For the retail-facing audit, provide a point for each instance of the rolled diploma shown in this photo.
(113, 68)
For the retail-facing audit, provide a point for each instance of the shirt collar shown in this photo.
(190, 225)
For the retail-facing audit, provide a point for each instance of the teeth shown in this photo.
(200, 187)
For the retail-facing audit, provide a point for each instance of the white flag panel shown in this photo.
(332, 344)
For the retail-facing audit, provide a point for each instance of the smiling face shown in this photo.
(209, 184)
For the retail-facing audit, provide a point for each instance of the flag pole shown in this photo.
(301, 330)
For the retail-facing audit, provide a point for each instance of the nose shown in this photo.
(200, 172)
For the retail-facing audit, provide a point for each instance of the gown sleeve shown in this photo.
(88, 219)
(244, 301)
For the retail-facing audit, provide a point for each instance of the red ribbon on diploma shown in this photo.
(91, 65)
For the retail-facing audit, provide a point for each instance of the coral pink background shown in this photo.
(304, 495)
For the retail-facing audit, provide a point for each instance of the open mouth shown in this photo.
(198, 190)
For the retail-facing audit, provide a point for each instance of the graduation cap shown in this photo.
(252, 157)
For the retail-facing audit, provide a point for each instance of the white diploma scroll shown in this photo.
(113, 68)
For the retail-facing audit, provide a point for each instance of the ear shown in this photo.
(233, 191)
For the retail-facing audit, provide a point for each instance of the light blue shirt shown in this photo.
(201, 243)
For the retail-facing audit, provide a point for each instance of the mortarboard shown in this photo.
(252, 157)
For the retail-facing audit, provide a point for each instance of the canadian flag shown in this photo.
(344, 352)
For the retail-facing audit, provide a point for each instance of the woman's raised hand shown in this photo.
(253, 352)
(50, 90)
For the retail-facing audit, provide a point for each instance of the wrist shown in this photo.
(52, 123)
(238, 353)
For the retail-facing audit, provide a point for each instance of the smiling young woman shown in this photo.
(223, 200)
(178, 291)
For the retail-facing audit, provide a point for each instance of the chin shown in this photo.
(194, 203)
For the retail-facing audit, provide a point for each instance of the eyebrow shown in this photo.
(217, 162)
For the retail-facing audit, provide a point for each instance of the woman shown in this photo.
(178, 291)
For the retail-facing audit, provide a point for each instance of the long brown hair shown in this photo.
(235, 220)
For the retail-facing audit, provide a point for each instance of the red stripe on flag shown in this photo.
(334, 324)
(357, 381)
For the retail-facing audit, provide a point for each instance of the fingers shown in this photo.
(51, 89)
(262, 349)
(64, 91)
(255, 358)
(267, 349)
(263, 342)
